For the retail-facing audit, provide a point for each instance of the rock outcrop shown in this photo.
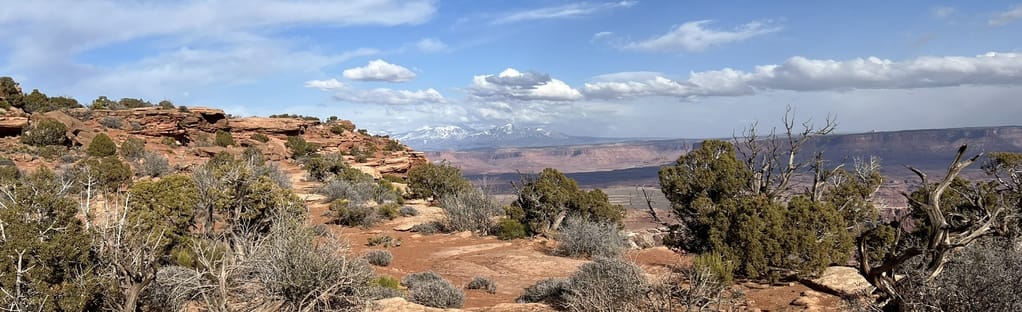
(840, 281)
(196, 127)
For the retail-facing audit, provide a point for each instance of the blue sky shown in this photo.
(598, 68)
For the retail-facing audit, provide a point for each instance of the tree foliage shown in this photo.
(715, 196)
(46, 131)
(101, 146)
(552, 196)
(436, 181)
(46, 267)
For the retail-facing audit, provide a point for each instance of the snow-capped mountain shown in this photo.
(453, 137)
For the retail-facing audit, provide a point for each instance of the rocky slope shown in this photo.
(186, 135)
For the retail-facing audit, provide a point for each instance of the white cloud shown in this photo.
(325, 85)
(694, 37)
(941, 12)
(570, 10)
(803, 74)
(514, 85)
(43, 40)
(1006, 17)
(179, 71)
(431, 45)
(380, 70)
(386, 96)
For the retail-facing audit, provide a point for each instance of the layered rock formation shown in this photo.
(195, 127)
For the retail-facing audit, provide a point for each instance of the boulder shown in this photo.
(11, 126)
(840, 281)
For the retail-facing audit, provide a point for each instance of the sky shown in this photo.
(593, 68)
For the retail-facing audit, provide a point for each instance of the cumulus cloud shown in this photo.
(695, 37)
(570, 10)
(386, 96)
(431, 45)
(1003, 18)
(514, 85)
(803, 74)
(380, 70)
(325, 85)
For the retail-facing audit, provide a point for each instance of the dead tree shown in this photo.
(773, 158)
(941, 239)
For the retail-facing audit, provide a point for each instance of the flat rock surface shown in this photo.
(840, 280)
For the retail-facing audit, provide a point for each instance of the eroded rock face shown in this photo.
(11, 126)
(271, 126)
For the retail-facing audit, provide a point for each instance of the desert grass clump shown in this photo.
(427, 228)
(111, 122)
(482, 283)
(385, 241)
(431, 290)
(151, 164)
(469, 211)
(347, 214)
(388, 211)
(508, 229)
(379, 257)
(582, 238)
(547, 291)
(606, 284)
(408, 211)
(414, 279)
(306, 275)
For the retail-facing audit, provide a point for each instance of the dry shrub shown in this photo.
(483, 283)
(469, 211)
(431, 290)
(379, 257)
(583, 238)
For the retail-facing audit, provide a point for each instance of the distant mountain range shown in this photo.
(459, 138)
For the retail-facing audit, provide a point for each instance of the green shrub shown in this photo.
(709, 191)
(325, 167)
(358, 194)
(552, 194)
(132, 148)
(260, 137)
(337, 129)
(111, 122)
(437, 294)
(224, 138)
(101, 146)
(299, 147)
(715, 265)
(169, 141)
(45, 132)
(110, 172)
(387, 282)
(9, 174)
(483, 283)
(385, 241)
(166, 104)
(51, 152)
(388, 210)
(379, 257)
(436, 181)
(393, 178)
(508, 229)
(583, 238)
